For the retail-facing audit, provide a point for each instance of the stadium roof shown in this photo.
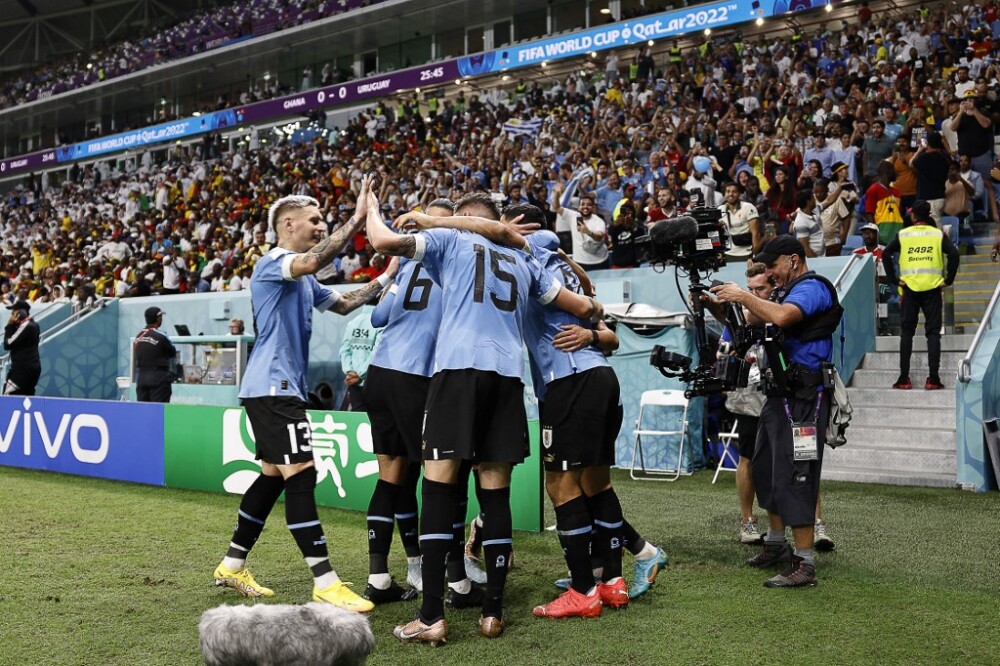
(35, 31)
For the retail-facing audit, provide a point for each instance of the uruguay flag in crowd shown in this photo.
(578, 177)
(518, 127)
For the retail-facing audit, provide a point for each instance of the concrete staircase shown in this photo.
(900, 437)
(974, 285)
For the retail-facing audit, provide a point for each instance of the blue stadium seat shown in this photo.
(851, 244)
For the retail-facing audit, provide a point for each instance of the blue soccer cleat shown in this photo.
(646, 571)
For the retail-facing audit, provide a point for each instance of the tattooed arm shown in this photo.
(352, 300)
(321, 254)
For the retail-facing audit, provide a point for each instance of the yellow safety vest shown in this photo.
(675, 55)
(921, 261)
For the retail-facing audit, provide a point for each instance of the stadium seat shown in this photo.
(665, 399)
(726, 438)
(851, 244)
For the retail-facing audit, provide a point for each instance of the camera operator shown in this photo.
(786, 465)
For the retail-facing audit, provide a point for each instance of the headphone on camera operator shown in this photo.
(805, 306)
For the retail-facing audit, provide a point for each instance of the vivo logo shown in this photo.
(28, 429)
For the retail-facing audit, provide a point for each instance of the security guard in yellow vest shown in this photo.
(675, 54)
(921, 249)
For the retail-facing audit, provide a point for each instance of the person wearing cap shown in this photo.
(786, 467)
(869, 235)
(921, 249)
(20, 339)
(786, 470)
(154, 356)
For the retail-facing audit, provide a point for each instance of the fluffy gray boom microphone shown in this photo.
(674, 231)
(284, 635)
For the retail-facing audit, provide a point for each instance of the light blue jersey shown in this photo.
(544, 239)
(543, 323)
(486, 289)
(361, 339)
(411, 314)
(282, 320)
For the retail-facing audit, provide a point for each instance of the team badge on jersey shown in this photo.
(547, 437)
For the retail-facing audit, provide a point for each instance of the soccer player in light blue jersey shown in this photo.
(283, 294)
(581, 414)
(396, 391)
(475, 407)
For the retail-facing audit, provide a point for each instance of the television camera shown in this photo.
(695, 244)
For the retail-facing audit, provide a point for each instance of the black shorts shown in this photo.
(396, 402)
(785, 486)
(746, 428)
(475, 415)
(580, 420)
(280, 428)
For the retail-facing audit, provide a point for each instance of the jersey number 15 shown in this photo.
(496, 259)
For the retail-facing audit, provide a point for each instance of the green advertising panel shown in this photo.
(212, 448)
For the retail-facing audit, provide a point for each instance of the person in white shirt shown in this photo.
(589, 231)
(808, 226)
(743, 223)
(174, 270)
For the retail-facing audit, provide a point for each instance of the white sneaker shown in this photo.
(750, 531)
(415, 576)
(821, 540)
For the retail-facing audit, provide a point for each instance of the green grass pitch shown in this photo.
(97, 572)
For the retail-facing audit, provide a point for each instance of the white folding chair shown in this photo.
(665, 399)
(727, 452)
(124, 384)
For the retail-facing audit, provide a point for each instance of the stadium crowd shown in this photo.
(835, 118)
(197, 33)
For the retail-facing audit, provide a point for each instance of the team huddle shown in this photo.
(448, 406)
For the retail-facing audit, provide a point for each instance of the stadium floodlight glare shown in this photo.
(196, 114)
(828, 9)
(90, 65)
(708, 31)
(606, 10)
(416, 90)
(759, 21)
(267, 76)
(650, 42)
(545, 64)
(505, 77)
(593, 54)
(458, 82)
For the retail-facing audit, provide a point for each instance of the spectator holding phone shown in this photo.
(588, 229)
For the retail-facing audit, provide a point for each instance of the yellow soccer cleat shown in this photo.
(339, 594)
(242, 581)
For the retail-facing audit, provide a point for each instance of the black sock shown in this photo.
(633, 541)
(607, 513)
(456, 554)
(303, 520)
(255, 507)
(380, 521)
(497, 547)
(435, 540)
(406, 512)
(573, 525)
